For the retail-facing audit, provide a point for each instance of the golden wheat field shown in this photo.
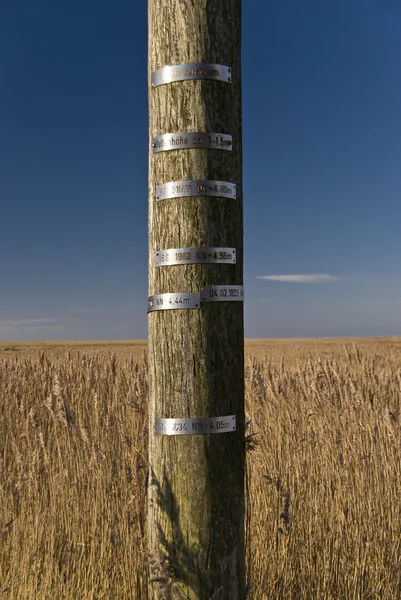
(323, 470)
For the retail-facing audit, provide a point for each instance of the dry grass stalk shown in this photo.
(323, 476)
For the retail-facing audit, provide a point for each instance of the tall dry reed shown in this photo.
(325, 478)
(323, 473)
(72, 477)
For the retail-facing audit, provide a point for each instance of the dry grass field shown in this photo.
(323, 470)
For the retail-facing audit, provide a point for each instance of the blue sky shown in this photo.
(322, 168)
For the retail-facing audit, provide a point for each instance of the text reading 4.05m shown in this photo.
(196, 426)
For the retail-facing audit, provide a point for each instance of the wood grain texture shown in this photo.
(196, 491)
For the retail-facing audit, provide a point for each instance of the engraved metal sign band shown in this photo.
(222, 293)
(173, 301)
(196, 187)
(191, 139)
(172, 73)
(189, 256)
(200, 426)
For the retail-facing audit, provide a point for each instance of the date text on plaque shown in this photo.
(222, 293)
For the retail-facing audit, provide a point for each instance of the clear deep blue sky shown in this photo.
(322, 168)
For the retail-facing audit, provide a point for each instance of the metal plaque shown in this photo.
(173, 301)
(196, 187)
(195, 426)
(189, 256)
(172, 73)
(222, 293)
(191, 139)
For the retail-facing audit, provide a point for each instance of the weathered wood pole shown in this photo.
(196, 355)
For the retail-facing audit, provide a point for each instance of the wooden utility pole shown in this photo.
(196, 338)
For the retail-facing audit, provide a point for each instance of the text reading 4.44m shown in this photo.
(173, 301)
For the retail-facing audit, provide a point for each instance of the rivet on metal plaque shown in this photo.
(191, 139)
(172, 73)
(200, 426)
(196, 187)
(222, 293)
(189, 256)
(173, 301)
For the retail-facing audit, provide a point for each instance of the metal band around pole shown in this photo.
(185, 140)
(197, 426)
(169, 74)
(190, 256)
(196, 187)
(222, 293)
(173, 301)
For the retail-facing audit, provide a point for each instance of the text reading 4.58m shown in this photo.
(182, 256)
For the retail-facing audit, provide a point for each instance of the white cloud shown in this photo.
(310, 278)
(31, 324)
